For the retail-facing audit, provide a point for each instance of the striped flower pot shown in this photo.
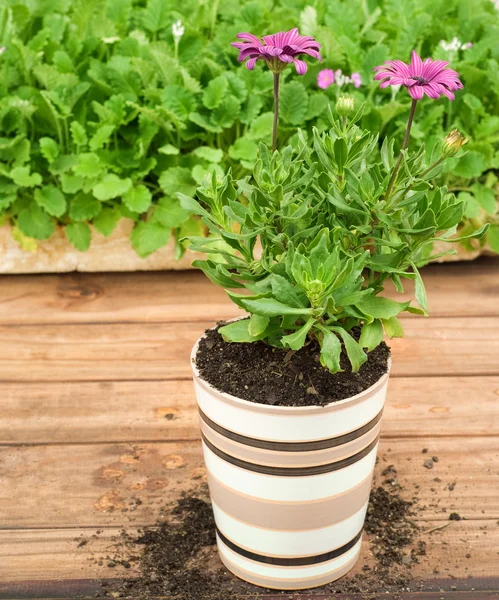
(289, 485)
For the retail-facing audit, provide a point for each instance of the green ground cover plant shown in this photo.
(108, 109)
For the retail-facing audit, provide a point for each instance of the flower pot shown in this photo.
(289, 486)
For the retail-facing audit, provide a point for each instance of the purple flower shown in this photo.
(356, 79)
(3, 49)
(325, 78)
(430, 77)
(277, 50)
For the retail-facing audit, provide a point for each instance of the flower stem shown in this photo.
(276, 111)
(405, 143)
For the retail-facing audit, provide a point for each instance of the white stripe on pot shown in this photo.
(285, 573)
(315, 423)
(273, 542)
(295, 489)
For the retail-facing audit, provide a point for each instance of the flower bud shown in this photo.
(344, 106)
(453, 142)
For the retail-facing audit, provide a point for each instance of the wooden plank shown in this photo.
(92, 484)
(99, 352)
(189, 296)
(48, 554)
(114, 411)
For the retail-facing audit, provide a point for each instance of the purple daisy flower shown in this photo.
(325, 78)
(431, 77)
(277, 50)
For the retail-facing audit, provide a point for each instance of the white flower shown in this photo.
(178, 30)
(455, 44)
(496, 4)
(341, 79)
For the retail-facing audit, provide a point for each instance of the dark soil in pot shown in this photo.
(260, 373)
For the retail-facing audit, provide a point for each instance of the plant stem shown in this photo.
(405, 143)
(276, 111)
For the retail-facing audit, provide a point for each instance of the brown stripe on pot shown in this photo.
(287, 459)
(291, 471)
(290, 561)
(289, 516)
(277, 583)
(290, 411)
(308, 446)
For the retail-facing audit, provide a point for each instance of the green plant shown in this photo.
(312, 238)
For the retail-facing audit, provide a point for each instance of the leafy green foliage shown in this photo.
(330, 233)
(94, 93)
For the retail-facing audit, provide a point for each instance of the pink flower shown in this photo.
(325, 78)
(356, 79)
(430, 77)
(277, 50)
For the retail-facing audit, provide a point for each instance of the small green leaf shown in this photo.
(493, 237)
(177, 179)
(419, 290)
(105, 222)
(51, 199)
(147, 237)
(486, 198)
(213, 155)
(89, 165)
(372, 335)
(258, 325)
(293, 103)
(49, 149)
(101, 137)
(138, 198)
(84, 207)
(330, 351)
(168, 149)
(215, 92)
(356, 355)
(111, 186)
(237, 332)
(472, 164)
(296, 340)
(269, 307)
(23, 178)
(226, 113)
(169, 213)
(393, 327)
(79, 235)
(244, 149)
(381, 308)
(286, 292)
(35, 222)
(78, 134)
(71, 183)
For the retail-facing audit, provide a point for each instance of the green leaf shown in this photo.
(258, 325)
(105, 222)
(177, 179)
(286, 292)
(472, 164)
(35, 222)
(78, 134)
(51, 199)
(330, 351)
(138, 198)
(101, 137)
(296, 340)
(226, 113)
(89, 165)
(237, 332)
(493, 237)
(147, 237)
(393, 327)
(269, 307)
(486, 198)
(293, 103)
(79, 235)
(212, 155)
(372, 335)
(244, 149)
(420, 291)
(23, 178)
(111, 186)
(84, 207)
(71, 183)
(169, 213)
(356, 355)
(49, 149)
(215, 92)
(168, 149)
(381, 308)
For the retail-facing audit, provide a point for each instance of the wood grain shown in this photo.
(189, 296)
(100, 352)
(48, 554)
(92, 484)
(157, 411)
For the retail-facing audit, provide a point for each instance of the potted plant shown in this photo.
(291, 397)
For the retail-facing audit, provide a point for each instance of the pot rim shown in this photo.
(282, 409)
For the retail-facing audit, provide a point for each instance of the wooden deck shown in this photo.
(91, 364)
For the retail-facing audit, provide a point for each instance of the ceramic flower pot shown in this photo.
(289, 485)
